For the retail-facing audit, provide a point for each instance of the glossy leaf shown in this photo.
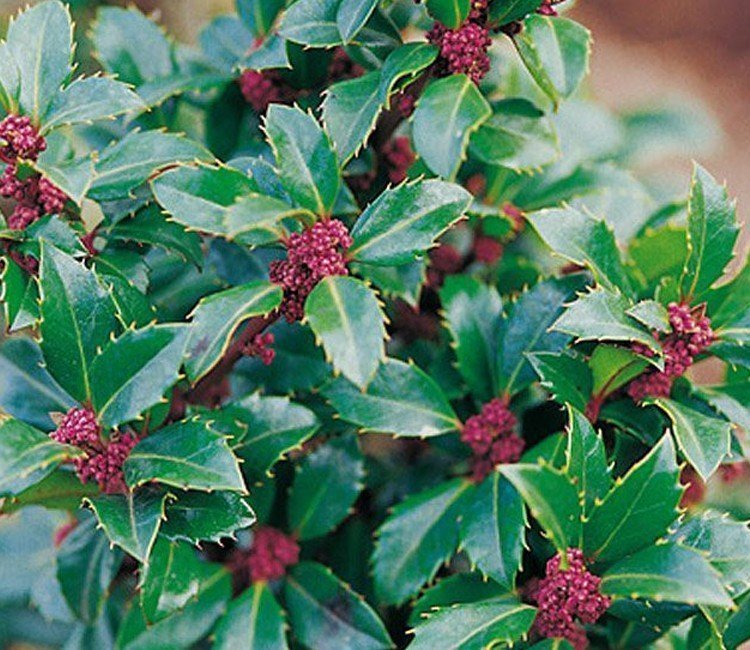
(419, 535)
(259, 15)
(552, 499)
(666, 572)
(312, 23)
(325, 611)
(453, 590)
(325, 487)
(457, 105)
(346, 318)
(187, 455)
(253, 620)
(198, 516)
(492, 530)
(218, 316)
(131, 520)
(134, 372)
(352, 15)
(637, 510)
(510, 10)
(451, 13)
(405, 221)
(704, 440)
(401, 399)
(304, 155)
(566, 377)
(556, 54)
(586, 460)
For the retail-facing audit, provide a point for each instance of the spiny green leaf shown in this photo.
(346, 318)
(312, 23)
(352, 15)
(613, 366)
(199, 516)
(259, 15)
(451, 13)
(566, 377)
(586, 460)
(401, 399)
(651, 314)
(253, 620)
(509, 10)
(453, 590)
(457, 105)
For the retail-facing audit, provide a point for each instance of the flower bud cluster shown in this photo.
(313, 254)
(398, 157)
(462, 50)
(270, 554)
(260, 88)
(260, 347)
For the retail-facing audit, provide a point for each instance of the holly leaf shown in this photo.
(651, 314)
(509, 10)
(218, 316)
(133, 372)
(254, 619)
(88, 100)
(526, 329)
(704, 440)
(453, 590)
(712, 234)
(85, 568)
(275, 426)
(451, 13)
(584, 240)
(475, 626)
(59, 490)
(552, 499)
(312, 594)
(305, 158)
(127, 164)
(131, 520)
(492, 530)
(613, 366)
(325, 487)
(567, 378)
(460, 108)
(259, 15)
(666, 572)
(27, 455)
(518, 136)
(199, 516)
(347, 320)
(188, 455)
(601, 315)
(352, 15)
(586, 460)
(312, 23)
(401, 399)
(403, 222)
(418, 536)
(78, 318)
(556, 53)
(618, 525)
(472, 314)
(40, 41)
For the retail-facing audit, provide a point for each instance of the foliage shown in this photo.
(318, 338)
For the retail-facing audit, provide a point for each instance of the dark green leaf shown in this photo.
(198, 516)
(492, 530)
(259, 15)
(73, 176)
(9, 80)
(586, 460)
(451, 13)
(457, 105)
(638, 509)
(666, 572)
(304, 155)
(125, 165)
(60, 490)
(325, 612)
(134, 372)
(651, 314)
(312, 23)
(401, 399)
(40, 41)
(27, 455)
(506, 11)
(712, 233)
(131, 520)
(584, 240)
(275, 426)
(253, 620)
(704, 440)
(85, 568)
(567, 378)
(78, 318)
(613, 366)
(352, 15)
(347, 320)
(325, 487)
(218, 316)
(453, 590)
(419, 535)
(475, 626)
(187, 455)
(517, 136)
(89, 100)
(552, 499)
(556, 53)
(403, 222)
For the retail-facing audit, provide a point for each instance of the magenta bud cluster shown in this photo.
(398, 157)
(260, 347)
(260, 88)
(35, 196)
(567, 598)
(270, 554)
(311, 255)
(462, 50)
(103, 461)
(492, 438)
(691, 334)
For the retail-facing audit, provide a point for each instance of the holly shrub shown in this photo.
(349, 328)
